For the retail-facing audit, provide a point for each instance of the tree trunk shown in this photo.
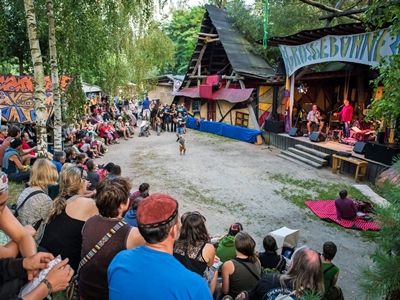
(21, 64)
(54, 77)
(40, 95)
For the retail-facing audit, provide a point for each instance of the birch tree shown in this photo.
(54, 76)
(40, 95)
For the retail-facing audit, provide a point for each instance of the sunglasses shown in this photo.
(192, 213)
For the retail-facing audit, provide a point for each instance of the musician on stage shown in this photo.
(314, 116)
(347, 115)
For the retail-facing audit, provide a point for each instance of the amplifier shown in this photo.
(274, 126)
(382, 153)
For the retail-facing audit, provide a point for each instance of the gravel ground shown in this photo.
(229, 181)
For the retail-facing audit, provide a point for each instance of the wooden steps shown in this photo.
(312, 151)
(305, 156)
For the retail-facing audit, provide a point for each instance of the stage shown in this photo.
(284, 141)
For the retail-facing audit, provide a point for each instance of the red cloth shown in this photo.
(346, 113)
(25, 146)
(326, 210)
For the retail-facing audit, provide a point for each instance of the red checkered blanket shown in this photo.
(326, 210)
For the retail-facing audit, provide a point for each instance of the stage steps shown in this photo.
(314, 152)
(303, 155)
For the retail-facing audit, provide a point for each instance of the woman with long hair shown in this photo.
(192, 248)
(304, 275)
(111, 200)
(70, 210)
(34, 204)
(244, 271)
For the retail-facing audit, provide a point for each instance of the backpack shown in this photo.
(280, 267)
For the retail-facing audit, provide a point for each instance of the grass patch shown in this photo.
(308, 189)
(214, 136)
(369, 235)
(14, 190)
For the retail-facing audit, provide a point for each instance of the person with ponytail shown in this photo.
(70, 210)
(244, 271)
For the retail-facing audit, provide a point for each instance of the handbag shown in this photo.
(72, 291)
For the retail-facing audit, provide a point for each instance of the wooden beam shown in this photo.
(253, 116)
(234, 78)
(344, 13)
(208, 34)
(328, 8)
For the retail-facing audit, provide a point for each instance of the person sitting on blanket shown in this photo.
(345, 207)
(331, 272)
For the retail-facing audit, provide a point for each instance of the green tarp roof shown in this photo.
(237, 47)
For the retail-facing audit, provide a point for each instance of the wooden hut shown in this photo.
(225, 82)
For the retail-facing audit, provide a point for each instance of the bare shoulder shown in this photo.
(135, 239)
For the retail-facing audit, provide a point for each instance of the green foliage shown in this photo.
(14, 44)
(383, 278)
(105, 42)
(285, 17)
(182, 30)
(309, 189)
(381, 15)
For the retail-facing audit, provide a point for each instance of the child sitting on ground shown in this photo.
(182, 146)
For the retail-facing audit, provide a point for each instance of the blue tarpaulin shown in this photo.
(230, 131)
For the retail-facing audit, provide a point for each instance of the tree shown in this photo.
(182, 30)
(54, 77)
(383, 278)
(285, 17)
(40, 97)
(380, 15)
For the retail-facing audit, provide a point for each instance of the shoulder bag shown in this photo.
(16, 208)
(248, 269)
(72, 291)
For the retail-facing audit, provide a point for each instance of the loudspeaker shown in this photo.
(274, 126)
(317, 137)
(294, 131)
(359, 148)
(380, 138)
(382, 153)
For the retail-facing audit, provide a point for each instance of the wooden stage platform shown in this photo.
(284, 141)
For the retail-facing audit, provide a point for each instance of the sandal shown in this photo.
(242, 295)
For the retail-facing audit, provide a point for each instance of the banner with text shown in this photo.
(366, 48)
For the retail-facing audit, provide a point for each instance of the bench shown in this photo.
(361, 165)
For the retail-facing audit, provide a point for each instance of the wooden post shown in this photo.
(360, 88)
(250, 108)
(291, 95)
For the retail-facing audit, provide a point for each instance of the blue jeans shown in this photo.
(346, 130)
(21, 176)
(179, 130)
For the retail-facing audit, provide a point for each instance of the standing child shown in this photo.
(182, 146)
(159, 118)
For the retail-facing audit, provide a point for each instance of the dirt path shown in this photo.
(229, 181)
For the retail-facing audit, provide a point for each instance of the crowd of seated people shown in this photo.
(162, 247)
